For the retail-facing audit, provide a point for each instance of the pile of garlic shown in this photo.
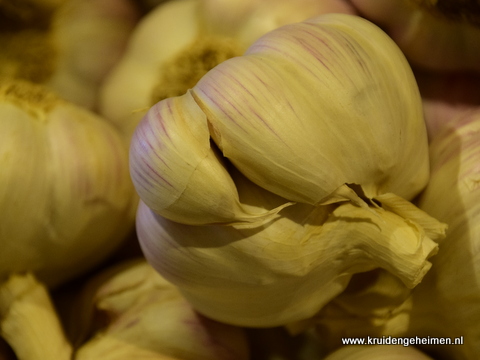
(238, 179)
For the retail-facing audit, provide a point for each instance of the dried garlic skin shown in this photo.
(197, 36)
(146, 317)
(65, 189)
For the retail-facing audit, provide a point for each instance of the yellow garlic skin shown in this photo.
(65, 191)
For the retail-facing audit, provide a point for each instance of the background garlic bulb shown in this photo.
(429, 38)
(196, 36)
(70, 48)
(313, 113)
(148, 317)
(124, 312)
(65, 191)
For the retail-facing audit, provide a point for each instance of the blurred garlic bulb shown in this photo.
(70, 49)
(65, 189)
(377, 352)
(129, 311)
(325, 114)
(426, 36)
(28, 320)
(454, 281)
(196, 36)
(146, 316)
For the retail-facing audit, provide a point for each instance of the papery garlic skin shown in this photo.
(316, 81)
(149, 318)
(65, 184)
(192, 31)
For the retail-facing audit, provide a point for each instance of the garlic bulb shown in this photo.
(316, 114)
(380, 352)
(196, 36)
(65, 189)
(70, 49)
(427, 38)
(148, 318)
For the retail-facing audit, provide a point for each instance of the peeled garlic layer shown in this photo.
(65, 191)
(285, 171)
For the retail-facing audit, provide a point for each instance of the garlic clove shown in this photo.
(178, 174)
(65, 182)
(284, 113)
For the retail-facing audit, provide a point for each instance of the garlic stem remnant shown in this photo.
(314, 182)
(65, 183)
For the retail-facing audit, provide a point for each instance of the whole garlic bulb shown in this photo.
(283, 172)
(65, 191)
(196, 36)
